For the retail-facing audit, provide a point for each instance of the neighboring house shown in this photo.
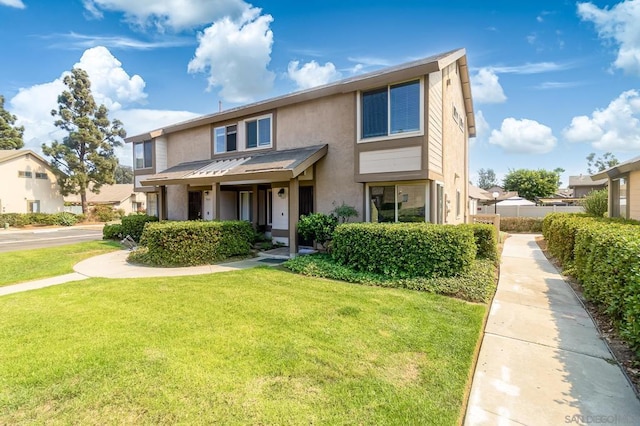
(624, 188)
(582, 185)
(478, 197)
(119, 196)
(28, 184)
(515, 201)
(392, 143)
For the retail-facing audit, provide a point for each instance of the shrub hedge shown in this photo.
(112, 232)
(193, 243)
(486, 240)
(604, 256)
(19, 220)
(406, 249)
(521, 224)
(133, 225)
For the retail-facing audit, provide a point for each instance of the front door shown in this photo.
(305, 205)
(195, 205)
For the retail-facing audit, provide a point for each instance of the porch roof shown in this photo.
(271, 166)
(619, 170)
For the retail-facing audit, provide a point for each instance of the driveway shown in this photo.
(11, 240)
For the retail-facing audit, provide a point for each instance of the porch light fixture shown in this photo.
(281, 193)
(495, 202)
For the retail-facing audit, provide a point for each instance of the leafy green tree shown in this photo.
(10, 134)
(532, 184)
(598, 164)
(123, 174)
(487, 178)
(85, 159)
(596, 203)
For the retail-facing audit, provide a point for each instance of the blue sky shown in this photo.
(552, 80)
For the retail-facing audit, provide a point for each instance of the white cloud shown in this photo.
(312, 74)
(110, 84)
(74, 40)
(13, 3)
(621, 23)
(616, 127)
(523, 137)
(482, 127)
(236, 54)
(532, 68)
(174, 14)
(486, 88)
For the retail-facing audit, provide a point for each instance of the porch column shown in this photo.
(162, 203)
(254, 207)
(614, 198)
(294, 215)
(216, 200)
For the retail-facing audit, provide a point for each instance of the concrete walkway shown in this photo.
(542, 361)
(114, 265)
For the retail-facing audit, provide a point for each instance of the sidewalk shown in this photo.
(542, 361)
(114, 265)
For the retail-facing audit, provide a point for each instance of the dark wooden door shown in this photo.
(305, 205)
(195, 205)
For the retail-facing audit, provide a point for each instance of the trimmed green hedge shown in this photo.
(486, 240)
(193, 243)
(112, 232)
(133, 225)
(405, 249)
(521, 224)
(604, 256)
(19, 220)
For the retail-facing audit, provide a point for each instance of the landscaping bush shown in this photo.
(133, 224)
(405, 249)
(596, 202)
(193, 243)
(486, 240)
(529, 225)
(19, 220)
(475, 285)
(112, 232)
(64, 219)
(103, 213)
(317, 226)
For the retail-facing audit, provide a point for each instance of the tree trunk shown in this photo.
(83, 201)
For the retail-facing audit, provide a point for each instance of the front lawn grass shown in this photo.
(258, 346)
(27, 265)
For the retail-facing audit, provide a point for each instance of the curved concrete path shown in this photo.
(114, 265)
(542, 361)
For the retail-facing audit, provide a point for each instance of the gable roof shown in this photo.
(479, 193)
(10, 154)
(361, 82)
(585, 180)
(618, 170)
(109, 194)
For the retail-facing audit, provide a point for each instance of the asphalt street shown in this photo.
(46, 237)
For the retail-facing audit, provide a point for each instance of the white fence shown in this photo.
(528, 211)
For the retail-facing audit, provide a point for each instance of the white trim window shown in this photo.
(258, 132)
(395, 110)
(143, 155)
(225, 139)
(398, 202)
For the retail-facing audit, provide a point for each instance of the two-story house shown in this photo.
(393, 143)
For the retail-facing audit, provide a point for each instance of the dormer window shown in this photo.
(392, 110)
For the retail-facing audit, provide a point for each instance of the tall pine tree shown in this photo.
(10, 134)
(85, 159)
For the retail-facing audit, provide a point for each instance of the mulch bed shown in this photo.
(625, 356)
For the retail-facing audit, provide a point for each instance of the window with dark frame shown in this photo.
(226, 139)
(143, 152)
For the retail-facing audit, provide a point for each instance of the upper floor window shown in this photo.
(24, 174)
(225, 139)
(391, 110)
(258, 132)
(143, 153)
(41, 175)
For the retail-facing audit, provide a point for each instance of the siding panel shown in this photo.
(391, 160)
(435, 122)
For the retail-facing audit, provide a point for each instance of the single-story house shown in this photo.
(28, 184)
(393, 143)
(582, 185)
(624, 188)
(120, 196)
(477, 198)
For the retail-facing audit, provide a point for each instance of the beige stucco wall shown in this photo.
(188, 145)
(455, 146)
(330, 120)
(15, 192)
(634, 195)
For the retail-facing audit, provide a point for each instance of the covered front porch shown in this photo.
(271, 190)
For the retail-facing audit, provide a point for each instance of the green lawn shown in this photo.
(27, 265)
(258, 346)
